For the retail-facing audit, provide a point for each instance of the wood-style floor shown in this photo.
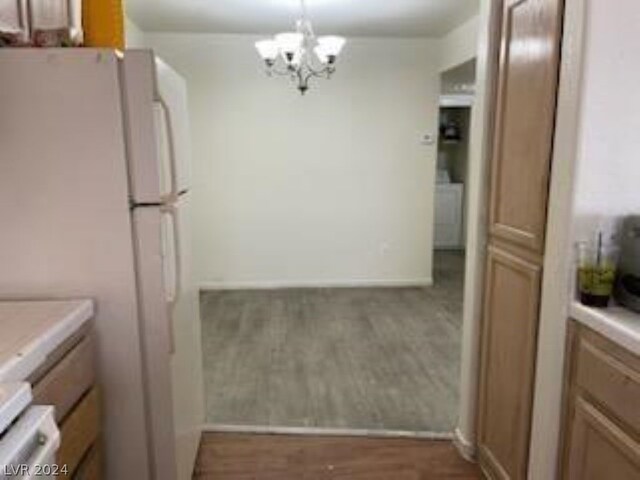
(381, 359)
(270, 457)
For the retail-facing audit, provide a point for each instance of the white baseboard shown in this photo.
(465, 447)
(326, 432)
(276, 284)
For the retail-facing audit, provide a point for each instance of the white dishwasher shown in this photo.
(29, 436)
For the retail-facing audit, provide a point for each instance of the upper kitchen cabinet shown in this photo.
(525, 118)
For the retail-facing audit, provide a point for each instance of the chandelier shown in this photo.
(302, 55)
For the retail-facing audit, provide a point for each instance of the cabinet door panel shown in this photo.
(599, 448)
(528, 78)
(609, 382)
(508, 346)
(79, 432)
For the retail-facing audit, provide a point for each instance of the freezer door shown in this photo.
(143, 121)
(155, 254)
(158, 143)
(172, 94)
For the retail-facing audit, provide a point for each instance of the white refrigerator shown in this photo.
(94, 202)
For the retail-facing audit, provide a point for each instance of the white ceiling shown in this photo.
(393, 18)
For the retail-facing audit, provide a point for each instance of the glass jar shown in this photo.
(596, 273)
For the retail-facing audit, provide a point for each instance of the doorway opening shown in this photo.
(456, 102)
(365, 360)
(457, 89)
(372, 353)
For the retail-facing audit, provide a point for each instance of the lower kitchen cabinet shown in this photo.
(91, 466)
(601, 435)
(67, 380)
(80, 431)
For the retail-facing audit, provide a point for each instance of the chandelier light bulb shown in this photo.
(289, 43)
(268, 50)
(322, 54)
(332, 44)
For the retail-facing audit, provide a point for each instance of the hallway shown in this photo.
(343, 359)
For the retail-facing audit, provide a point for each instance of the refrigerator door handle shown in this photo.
(171, 210)
(173, 167)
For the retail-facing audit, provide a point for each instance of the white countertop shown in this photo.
(14, 398)
(618, 324)
(31, 330)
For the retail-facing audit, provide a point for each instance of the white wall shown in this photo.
(608, 182)
(332, 188)
(601, 93)
(134, 36)
(477, 222)
(460, 45)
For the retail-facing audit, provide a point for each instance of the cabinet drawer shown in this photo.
(613, 384)
(79, 432)
(68, 380)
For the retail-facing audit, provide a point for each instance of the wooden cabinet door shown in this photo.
(520, 171)
(525, 120)
(599, 448)
(509, 334)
